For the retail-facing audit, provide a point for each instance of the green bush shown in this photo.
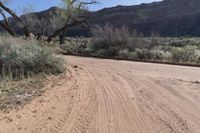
(20, 58)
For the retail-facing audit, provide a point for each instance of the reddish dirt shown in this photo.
(107, 96)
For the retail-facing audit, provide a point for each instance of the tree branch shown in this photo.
(4, 16)
(10, 12)
(73, 1)
(7, 28)
(67, 25)
(86, 3)
(24, 26)
(6, 24)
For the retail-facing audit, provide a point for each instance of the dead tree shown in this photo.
(75, 15)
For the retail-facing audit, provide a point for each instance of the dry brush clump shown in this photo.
(22, 58)
(109, 40)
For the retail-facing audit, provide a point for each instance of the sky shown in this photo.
(39, 5)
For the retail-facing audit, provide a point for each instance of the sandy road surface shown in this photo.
(106, 96)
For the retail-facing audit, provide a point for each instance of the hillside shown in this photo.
(168, 17)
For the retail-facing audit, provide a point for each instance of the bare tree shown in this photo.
(75, 15)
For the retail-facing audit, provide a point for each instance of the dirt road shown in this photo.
(106, 96)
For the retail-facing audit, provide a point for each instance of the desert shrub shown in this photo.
(178, 54)
(183, 54)
(157, 55)
(167, 56)
(110, 38)
(198, 59)
(137, 43)
(124, 54)
(197, 55)
(76, 46)
(19, 58)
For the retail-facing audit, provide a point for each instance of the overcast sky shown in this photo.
(45, 4)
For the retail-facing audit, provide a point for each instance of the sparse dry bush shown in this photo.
(110, 38)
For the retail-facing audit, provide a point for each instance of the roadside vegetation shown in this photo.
(24, 58)
(120, 43)
(24, 65)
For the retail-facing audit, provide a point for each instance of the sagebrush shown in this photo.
(21, 58)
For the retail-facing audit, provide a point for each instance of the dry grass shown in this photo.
(16, 93)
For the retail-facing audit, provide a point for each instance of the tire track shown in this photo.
(85, 118)
(106, 96)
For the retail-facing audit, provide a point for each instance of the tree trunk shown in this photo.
(27, 32)
(56, 33)
(8, 29)
(25, 27)
(4, 23)
(64, 28)
(62, 38)
(9, 11)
